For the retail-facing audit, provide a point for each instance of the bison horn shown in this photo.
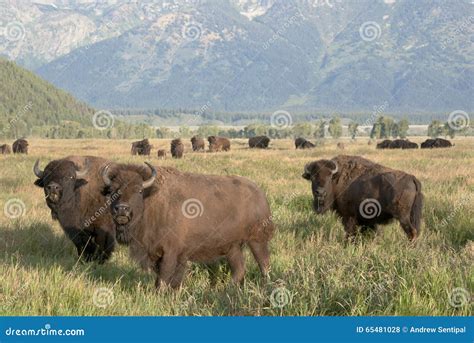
(151, 180)
(36, 169)
(105, 175)
(334, 171)
(80, 174)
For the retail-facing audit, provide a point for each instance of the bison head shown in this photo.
(321, 173)
(127, 187)
(59, 180)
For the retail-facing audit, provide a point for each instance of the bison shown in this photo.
(385, 144)
(20, 146)
(365, 194)
(218, 144)
(161, 154)
(301, 143)
(198, 143)
(260, 142)
(73, 188)
(169, 218)
(177, 148)
(142, 147)
(402, 144)
(436, 143)
(5, 149)
(341, 146)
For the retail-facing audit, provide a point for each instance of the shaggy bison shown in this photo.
(365, 194)
(177, 148)
(170, 218)
(161, 154)
(218, 144)
(73, 188)
(385, 144)
(341, 146)
(142, 147)
(5, 149)
(402, 144)
(301, 143)
(436, 143)
(20, 146)
(198, 143)
(260, 142)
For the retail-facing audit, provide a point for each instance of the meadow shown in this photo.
(313, 271)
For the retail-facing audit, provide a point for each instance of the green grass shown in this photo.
(319, 273)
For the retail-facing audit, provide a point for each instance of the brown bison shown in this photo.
(341, 146)
(142, 147)
(161, 154)
(301, 143)
(218, 144)
(365, 194)
(402, 144)
(20, 146)
(260, 142)
(170, 218)
(198, 143)
(73, 187)
(436, 143)
(385, 144)
(177, 148)
(5, 149)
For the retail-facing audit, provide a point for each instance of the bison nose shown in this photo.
(122, 208)
(53, 187)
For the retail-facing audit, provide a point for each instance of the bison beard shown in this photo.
(167, 232)
(365, 194)
(76, 201)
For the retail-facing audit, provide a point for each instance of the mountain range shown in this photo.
(250, 55)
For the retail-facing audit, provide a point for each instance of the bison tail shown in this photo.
(416, 209)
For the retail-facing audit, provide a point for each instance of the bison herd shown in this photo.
(406, 144)
(20, 146)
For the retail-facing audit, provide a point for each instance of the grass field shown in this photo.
(313, 271)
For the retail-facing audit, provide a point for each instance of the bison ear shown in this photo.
(79, 183)
(39, 183)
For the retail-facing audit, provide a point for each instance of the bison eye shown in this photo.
(140, 191)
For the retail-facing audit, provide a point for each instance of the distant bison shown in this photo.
(198, 143)
(142, 147)
(161, 154)
(218, 144)
(177, 148)
(170, 218)
(73, 188)
(436, 143)
(20, 146)
(384, 144)
(260, 142)
(5, 149)
(402, 144)
(341, 146)
(365, 194)
(301, 143)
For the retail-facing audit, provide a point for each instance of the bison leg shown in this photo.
(350, 226)
(237, 263)
(409, 229)
(105, 245)
(261, 253)
(179, 272)
(166, 269)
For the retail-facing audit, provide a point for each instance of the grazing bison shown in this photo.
(142, 147)
(384, 144)
(365, 194)
(301, 143)
(198, 143)
(161, 154)
(20, 146)
(177, 148)
(436, 143)
(5, 149)
(170, 218)
(402, 144)
(218, 144)
(341, 146)
(73, 188)
(260, 142)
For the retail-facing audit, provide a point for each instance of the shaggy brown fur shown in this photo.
(177, 148)
(436, 143)
(260, 142)
(5, 149)
(161, 154)
(142, 147)
(20, 146)
(301, 143)
(218, 144)
(198, 143)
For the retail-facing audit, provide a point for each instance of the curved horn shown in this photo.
(151, 180)
(334, 171)
(105, 175)
(306, 168)
(36, 169)
(80, 174)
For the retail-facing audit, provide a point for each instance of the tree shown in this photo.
(335, 128)
(435, 129)
(403, 126)
(382, 128)
(353, 129)
(449, 130)
(320, 133)
(302, 130)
